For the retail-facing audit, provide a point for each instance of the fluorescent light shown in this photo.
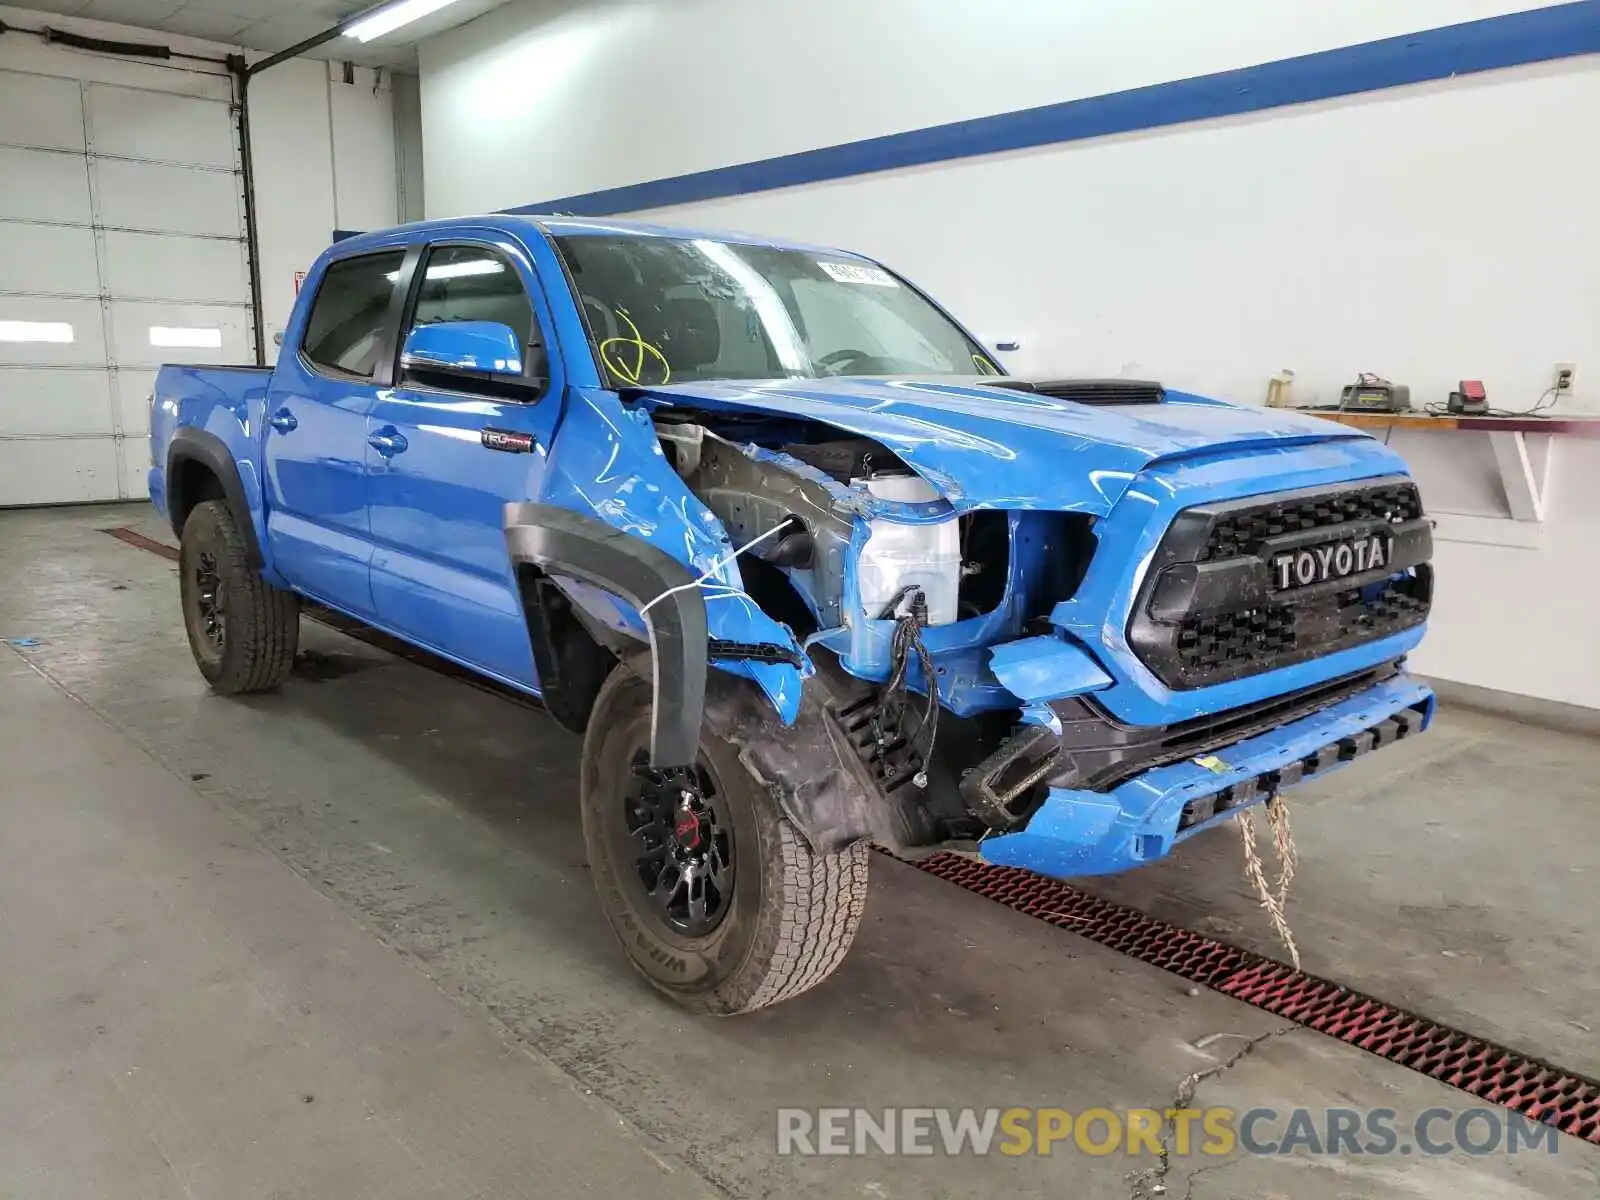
(202, 338)
(456, 270)
(35, 331)
(482, 266)
(389, 19)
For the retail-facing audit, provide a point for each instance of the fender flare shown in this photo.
(196, 445)
(562, 542)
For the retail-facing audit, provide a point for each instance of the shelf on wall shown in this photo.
(1575, 426)
(1524, 476)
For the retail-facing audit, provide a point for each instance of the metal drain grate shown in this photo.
(1478, 1067)
(1569, 1102)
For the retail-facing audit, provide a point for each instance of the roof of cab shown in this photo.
(565, 226)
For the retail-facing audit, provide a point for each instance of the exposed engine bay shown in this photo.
(888, 588)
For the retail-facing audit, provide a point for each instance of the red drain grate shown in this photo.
(1480, 1068)
(1569, 1102)
(134, 538)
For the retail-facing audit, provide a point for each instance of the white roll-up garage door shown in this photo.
(121, 247)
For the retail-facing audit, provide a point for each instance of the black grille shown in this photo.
(1210, 644)
(1212, 609)
(1243, 532)
(1241, 643)
(1399, 605)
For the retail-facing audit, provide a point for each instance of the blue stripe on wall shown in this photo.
(1517, 39)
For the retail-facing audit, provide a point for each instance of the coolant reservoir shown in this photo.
(898, 555)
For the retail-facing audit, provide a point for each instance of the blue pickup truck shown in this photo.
(803, 564)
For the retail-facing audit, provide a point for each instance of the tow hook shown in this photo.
(1001, 789)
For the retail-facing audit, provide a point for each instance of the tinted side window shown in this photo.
(469, 283)
(345, 329)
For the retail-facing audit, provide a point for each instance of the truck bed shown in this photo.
(224, 403)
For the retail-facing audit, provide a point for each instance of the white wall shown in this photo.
(1428, 233)
(609, 92)
(407, 95)
(325, 159)
(1518, 620)
(324, 150)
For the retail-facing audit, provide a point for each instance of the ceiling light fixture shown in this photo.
(387, 20)
(36, 331)
(201, 337)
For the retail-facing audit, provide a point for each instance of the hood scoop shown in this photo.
(1087, 391)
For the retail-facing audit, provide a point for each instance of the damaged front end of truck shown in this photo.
(1063, 625)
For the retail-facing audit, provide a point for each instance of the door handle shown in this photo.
(388, 441)
(283, 421)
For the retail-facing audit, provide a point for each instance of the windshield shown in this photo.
(668, 310)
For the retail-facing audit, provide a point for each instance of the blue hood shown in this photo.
(997, 448)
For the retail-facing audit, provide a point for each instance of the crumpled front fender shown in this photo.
(556, 539)
(607, 465)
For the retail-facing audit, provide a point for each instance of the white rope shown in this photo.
(715, 567)
(1276, 897)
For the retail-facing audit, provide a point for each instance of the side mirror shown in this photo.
(485, 350)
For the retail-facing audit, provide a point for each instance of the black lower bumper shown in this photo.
(1346, 749)
(1096, 752)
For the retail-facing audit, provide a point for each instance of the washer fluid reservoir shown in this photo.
(899, 555)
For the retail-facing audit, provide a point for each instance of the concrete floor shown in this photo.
(340, 940)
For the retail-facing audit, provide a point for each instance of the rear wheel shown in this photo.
(242, 630)
(715, 896)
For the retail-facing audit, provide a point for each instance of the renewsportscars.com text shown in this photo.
(1208, 1132)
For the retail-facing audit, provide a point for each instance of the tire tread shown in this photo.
(811, 904)
(820, 905)
(263, 621)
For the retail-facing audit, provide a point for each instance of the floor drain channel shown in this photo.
(1478, 1067)
(134, 538)
(1569, 1102)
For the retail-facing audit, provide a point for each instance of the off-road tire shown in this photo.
(794, 912)
(261, 628)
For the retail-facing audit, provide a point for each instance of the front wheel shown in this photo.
(242, 630)
(715, 896)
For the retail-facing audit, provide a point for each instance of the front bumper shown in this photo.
(1079, 832)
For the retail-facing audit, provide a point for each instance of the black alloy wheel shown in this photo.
(211, 598)
(682, 847)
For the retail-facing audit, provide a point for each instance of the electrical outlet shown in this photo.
(1566, 373)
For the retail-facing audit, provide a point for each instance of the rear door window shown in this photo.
(345, 331)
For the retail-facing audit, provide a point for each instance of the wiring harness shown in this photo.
(909, 608)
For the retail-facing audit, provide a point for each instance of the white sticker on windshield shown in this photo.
(845, 272)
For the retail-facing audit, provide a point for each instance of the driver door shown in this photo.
(446, 455)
